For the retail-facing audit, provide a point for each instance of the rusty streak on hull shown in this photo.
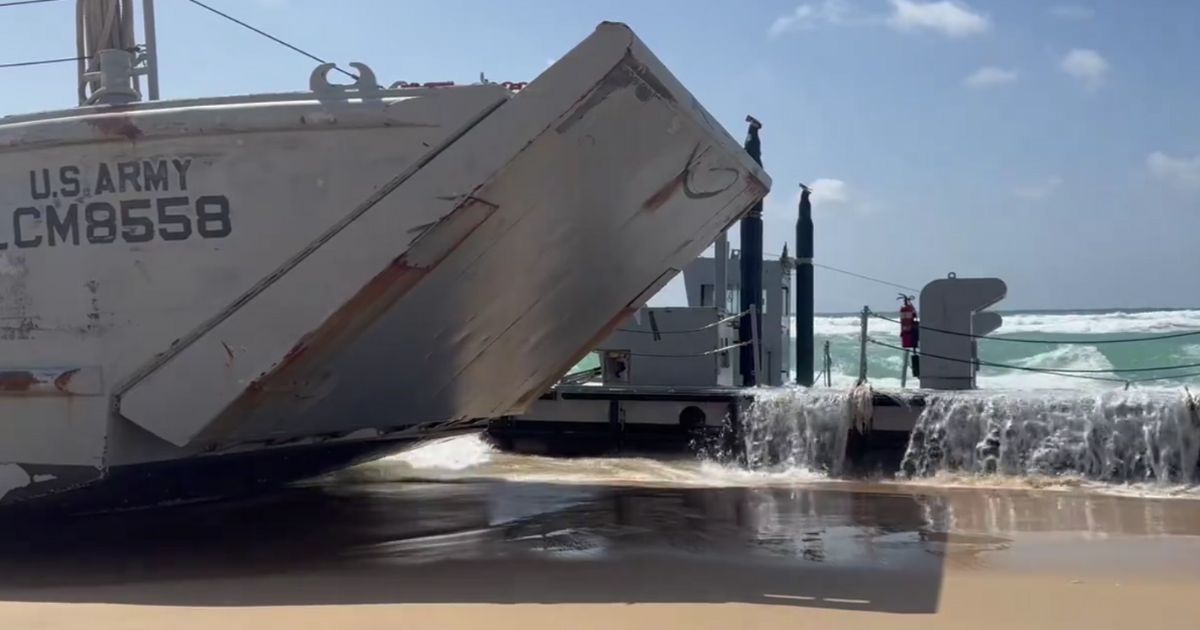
(315, 349)
(17, 381)
(39, 382)
(117, 126)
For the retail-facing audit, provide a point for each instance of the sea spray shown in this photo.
(1115, 437)
(801, 429)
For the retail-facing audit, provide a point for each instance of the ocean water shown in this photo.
(884, 364)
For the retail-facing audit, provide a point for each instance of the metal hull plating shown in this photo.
(183, 280)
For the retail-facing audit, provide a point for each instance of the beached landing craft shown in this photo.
(200, 296)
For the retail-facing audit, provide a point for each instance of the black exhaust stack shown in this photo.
(804, 290)
(751, 269)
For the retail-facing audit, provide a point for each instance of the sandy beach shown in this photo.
(971, 599)
(504, 554)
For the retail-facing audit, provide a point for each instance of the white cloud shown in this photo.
(830, 192)
(828, 12)
(827, 193)
(1074, 12)
(991, 76)
(794, 21)
(1181, 172)
(951, 19)
(1039, 190)
(1086, 65)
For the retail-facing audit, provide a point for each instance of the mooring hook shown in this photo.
(318, 81)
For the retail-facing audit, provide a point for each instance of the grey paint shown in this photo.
(663, 413)
(955, 305)
(408, 257)
(721, 274)
(776, 316)
(671, 357)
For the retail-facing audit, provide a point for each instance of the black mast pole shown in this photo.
(804, 291)
(751, 268)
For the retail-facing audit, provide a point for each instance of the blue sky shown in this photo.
(1056, 145)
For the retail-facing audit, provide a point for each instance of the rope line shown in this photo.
(1004, 366)
(869, 278)
(1084, 374)
(1187, 333)
(271, 37)
(17, 3)
(689, 356)
(684, 331)
(41, 62)
(1165, 378)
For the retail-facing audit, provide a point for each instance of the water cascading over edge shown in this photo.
(800, 429)
(1113, 437)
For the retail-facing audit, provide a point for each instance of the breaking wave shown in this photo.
(1087, 332)
(1064, 323)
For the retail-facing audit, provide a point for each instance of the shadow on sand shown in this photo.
(492, 542)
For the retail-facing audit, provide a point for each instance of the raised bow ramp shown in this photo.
(254, 272)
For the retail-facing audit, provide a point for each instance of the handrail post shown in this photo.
(862, 350)
(828, 366)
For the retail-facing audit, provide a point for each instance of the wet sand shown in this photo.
(499, 554)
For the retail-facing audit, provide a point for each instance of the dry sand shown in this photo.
(970, 598)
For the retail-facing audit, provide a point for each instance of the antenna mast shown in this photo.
(111, 63)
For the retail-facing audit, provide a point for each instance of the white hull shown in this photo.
(188, 279)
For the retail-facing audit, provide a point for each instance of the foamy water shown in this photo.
(471, 457)
(1087, 333)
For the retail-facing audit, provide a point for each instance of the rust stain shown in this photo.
(46, 382)
(663, 194)
(63, 381)
(116, 126)
(17, 380)
(287, 377)
(384, 290)
(294, 354)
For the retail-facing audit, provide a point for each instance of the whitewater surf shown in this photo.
(1087, 338)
